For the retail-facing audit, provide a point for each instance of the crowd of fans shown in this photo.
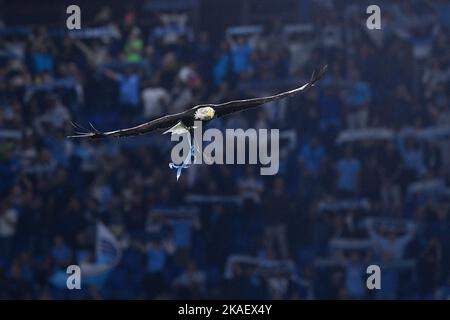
(335, 207)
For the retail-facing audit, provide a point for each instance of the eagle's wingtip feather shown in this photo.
(316, 76)
(85, 133)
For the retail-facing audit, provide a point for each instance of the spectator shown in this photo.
(251, 187)
(389, 245)
(276, 209)
(348, 169)
(42, 60)
(61, 253)
(354, 276)
(191, 282)
(129, 86)
(312, 157)
(156, 260)
(155, 101)
(133, 47)
(357, 101)
(242, 57)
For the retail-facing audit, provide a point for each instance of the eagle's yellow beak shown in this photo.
(211, 113)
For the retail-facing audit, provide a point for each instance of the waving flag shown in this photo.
(108, 253)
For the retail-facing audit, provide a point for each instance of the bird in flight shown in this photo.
(183, 122)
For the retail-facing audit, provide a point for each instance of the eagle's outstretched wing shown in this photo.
(187, 115)
(230, 107)
(157, 124)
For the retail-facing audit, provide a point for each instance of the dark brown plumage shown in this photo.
(188, 117)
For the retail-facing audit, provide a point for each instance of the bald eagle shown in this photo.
(183, 122)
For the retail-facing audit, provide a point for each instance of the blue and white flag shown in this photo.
(108, 253)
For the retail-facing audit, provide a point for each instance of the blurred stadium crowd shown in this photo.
(364, 162)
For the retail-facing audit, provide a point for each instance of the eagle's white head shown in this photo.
(204, 114)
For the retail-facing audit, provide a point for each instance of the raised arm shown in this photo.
(84, 48)
(112, 75)
(409, 234)
(372, 232)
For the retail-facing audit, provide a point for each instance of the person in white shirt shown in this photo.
(155, 101)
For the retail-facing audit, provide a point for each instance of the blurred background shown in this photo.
(364, 159)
